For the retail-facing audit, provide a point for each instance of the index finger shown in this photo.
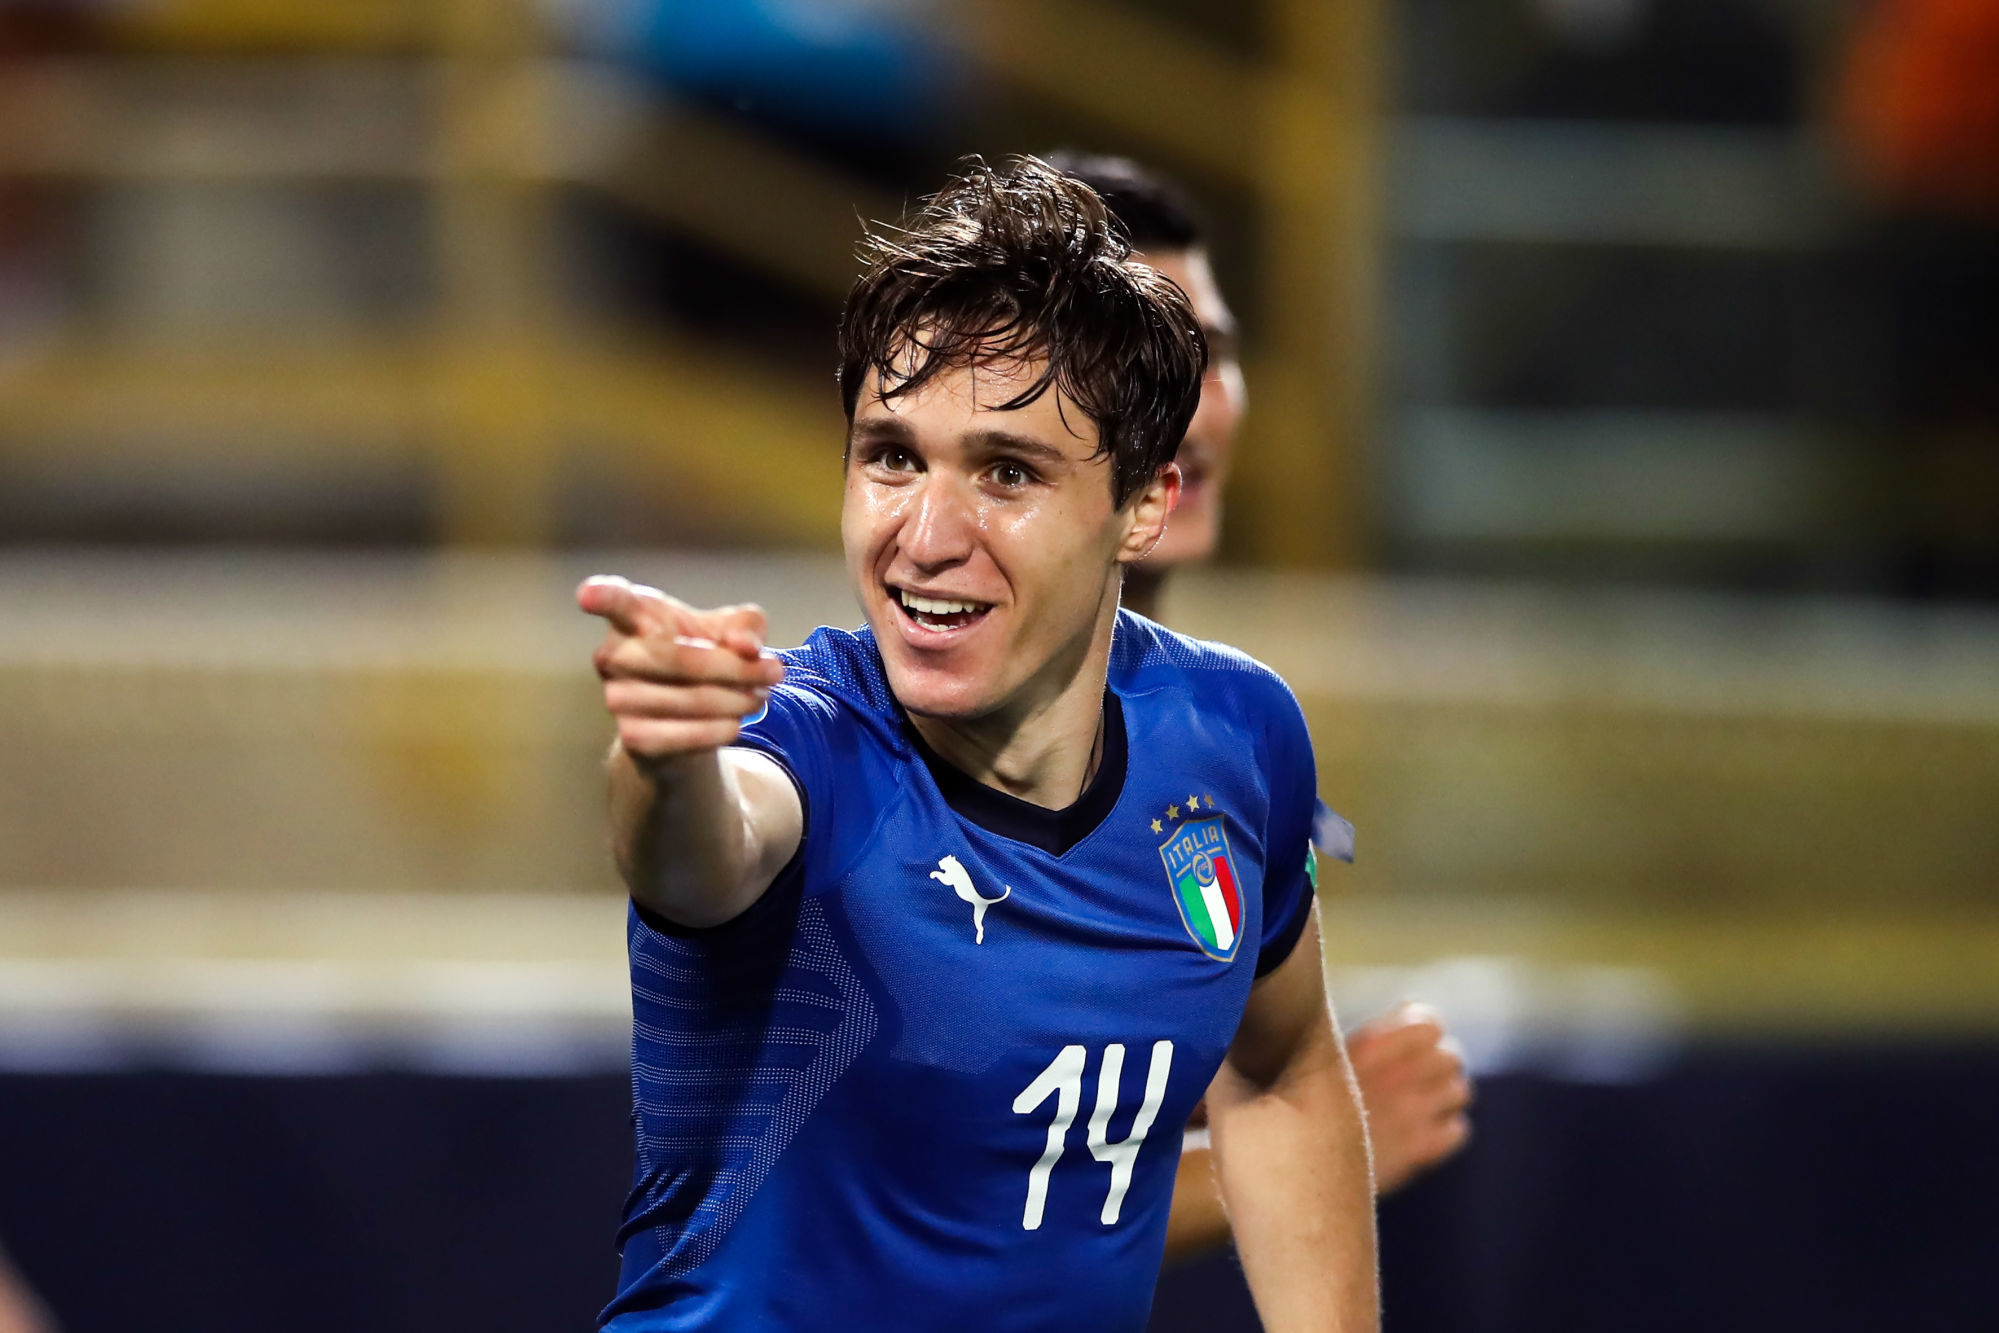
(631, 608)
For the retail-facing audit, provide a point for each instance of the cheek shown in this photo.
(853, 527)
(868, 518)
(1059, 554)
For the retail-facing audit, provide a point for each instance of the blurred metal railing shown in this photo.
(467, 101)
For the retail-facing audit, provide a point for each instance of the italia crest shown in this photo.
(1199, 868)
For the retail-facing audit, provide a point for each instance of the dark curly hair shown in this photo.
(1023, 262)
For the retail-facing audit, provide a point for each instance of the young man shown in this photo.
(1412, 1077)
(934, 955)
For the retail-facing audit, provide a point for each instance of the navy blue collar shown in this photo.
(1053, 831)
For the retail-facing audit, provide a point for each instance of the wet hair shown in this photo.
(1154, 211)
(1021, 262)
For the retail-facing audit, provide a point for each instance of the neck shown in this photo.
(1047, 751)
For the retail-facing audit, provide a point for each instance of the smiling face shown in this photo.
(984, 544)
(1209, 445)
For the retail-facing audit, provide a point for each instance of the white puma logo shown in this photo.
(949, 872)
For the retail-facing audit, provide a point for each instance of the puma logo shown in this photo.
(949, 872)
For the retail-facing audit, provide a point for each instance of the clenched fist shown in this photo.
(677, 680)
(1413, 1082)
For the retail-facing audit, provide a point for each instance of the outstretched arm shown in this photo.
(699, 831)
(1291, 1154)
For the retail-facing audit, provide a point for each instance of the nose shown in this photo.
(940, 531)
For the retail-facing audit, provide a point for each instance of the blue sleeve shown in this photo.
(1289, 869)
(812, 737)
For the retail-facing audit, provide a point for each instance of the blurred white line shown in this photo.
(359, 991)
(513, 618)
(456, 1016)
(1590, 1024)
(314, 1016)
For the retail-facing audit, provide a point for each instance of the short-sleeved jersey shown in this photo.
(935, 1079)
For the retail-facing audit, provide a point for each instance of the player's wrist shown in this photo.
(668, 764)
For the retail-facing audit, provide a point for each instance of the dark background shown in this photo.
(1743, 1187)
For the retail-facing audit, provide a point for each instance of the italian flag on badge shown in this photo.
(1204, 885)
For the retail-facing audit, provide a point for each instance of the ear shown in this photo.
(1149, 510)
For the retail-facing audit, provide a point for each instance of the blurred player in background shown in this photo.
(1412, 1077)
(896, 937)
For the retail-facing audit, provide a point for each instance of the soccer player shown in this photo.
(1412, 1077)
(933, 955)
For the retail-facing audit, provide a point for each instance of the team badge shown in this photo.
(1203, 877)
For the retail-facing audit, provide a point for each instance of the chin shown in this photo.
(933, 688)
(932, 692)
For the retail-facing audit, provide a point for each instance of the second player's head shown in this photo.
(1167, 232)
(1015, 389)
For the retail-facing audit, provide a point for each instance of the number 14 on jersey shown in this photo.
(1063, 1079)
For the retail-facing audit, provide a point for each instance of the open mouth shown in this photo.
(939, 615)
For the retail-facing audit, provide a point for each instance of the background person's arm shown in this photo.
(1291, 1155)
(699, 831)
(1414, 1085)
(1198, 1223)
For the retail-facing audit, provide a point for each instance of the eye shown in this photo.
(1011, 475)
(895, 458)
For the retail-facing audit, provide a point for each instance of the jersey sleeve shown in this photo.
(1290, 871)
(814, 740)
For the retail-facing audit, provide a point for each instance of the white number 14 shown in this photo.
(1064, 1078)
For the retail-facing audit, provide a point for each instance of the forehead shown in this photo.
(963, 403)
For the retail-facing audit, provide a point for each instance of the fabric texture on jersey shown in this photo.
(935, 1077)
(751, 1073)
(1287, 890)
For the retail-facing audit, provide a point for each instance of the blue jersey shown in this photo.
(935, 1079)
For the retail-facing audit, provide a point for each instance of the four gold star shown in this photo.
(1193, 803)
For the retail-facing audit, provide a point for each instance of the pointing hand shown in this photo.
(677, 680)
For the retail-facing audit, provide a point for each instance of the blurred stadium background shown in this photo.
(1621, 494)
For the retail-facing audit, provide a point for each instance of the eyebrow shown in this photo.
(1001, 441)
(880, 428)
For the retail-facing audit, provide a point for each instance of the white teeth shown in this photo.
(932, 606)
